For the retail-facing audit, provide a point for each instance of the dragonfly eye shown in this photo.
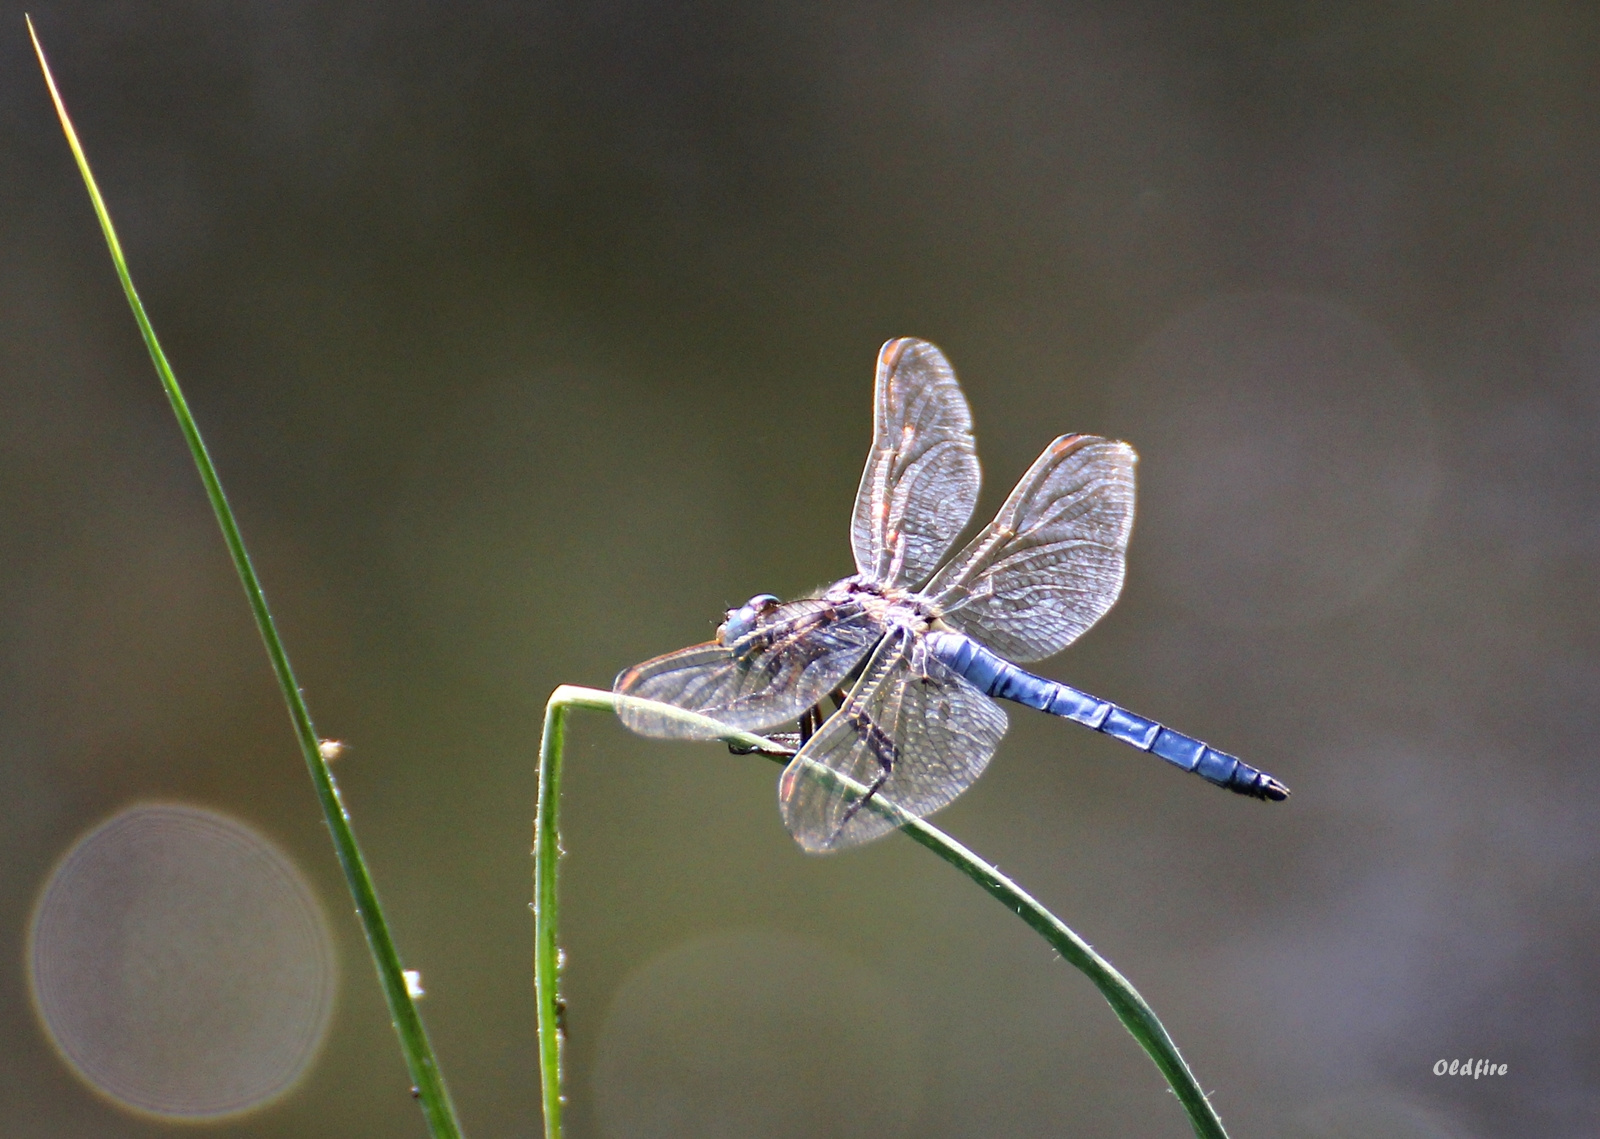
(742, 620)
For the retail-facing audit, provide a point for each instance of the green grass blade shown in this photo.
(546, 914)
(427, 1081)
(1136, 1015)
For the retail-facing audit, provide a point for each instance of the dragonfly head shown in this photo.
(743, 619)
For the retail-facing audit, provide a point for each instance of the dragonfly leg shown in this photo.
(788, 743)
(810, 721)
(884, 751)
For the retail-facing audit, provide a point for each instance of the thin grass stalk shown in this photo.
(1136, 1015)
(546, 915)
(427, 1082)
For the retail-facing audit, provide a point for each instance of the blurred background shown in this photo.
(527, 338)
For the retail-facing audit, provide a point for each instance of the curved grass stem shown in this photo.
(427, 1082)
(1136, 1015)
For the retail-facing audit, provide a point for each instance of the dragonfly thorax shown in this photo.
(887, 606)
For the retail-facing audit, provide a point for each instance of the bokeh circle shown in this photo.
(755, 1033)
(181, 964)
(1287, 458)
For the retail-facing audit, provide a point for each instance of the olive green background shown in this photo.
(529, 337)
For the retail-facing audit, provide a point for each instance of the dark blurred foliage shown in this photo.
(529, 337)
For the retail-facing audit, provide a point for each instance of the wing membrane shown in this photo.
(921, 479)
(791, 660)
(921, 734)
(1052, 561)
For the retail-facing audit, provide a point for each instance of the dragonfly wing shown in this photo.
(791, 660)
(1052, 561)
(921, 480)
(918, 732)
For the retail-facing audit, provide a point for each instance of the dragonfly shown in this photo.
(912, 649)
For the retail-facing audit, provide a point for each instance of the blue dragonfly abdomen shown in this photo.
(993, 675)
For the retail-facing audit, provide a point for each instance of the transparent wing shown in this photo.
(787, 663)
(919, 735)
(921, 480)
(1051, 563)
